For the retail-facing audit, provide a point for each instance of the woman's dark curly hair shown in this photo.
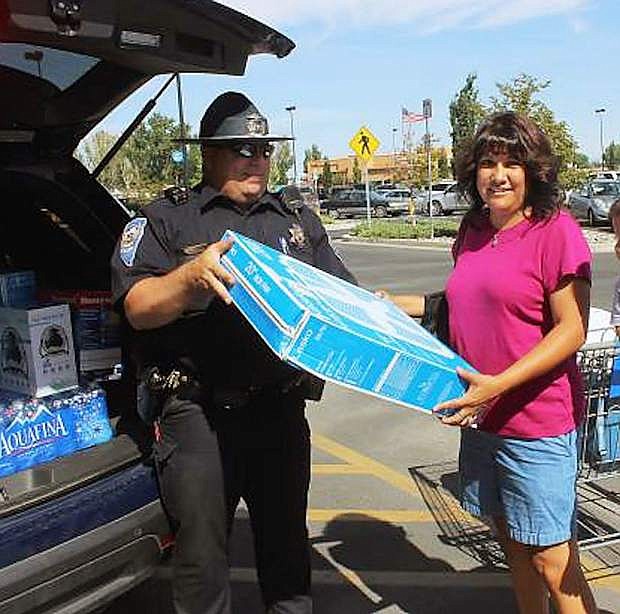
(521, 139)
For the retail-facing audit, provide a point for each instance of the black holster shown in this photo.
(149, 402)
(156, 385)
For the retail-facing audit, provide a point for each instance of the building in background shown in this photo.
(408, 168)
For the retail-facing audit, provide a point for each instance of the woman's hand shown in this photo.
(474, 404)
(411, 304)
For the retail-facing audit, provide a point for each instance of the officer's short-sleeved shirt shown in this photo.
(214, 337)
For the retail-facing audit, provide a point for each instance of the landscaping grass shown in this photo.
(421, 229)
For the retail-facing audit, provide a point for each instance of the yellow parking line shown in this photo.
(365, 464)
(358, 464)
(362, 515)
(338, 469)
(597, 575)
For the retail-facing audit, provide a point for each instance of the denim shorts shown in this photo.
(531, 483)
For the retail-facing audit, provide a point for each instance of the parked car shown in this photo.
(399, 201)
(310, 197)
(609, 175)
(352, 202)
(453, 201)
(437, 197)
(78, 531)
(592, 201)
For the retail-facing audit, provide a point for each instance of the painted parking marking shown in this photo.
(394, 516)
(355, 463)
(359, 464)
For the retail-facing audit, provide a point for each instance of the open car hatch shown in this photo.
(65, 64)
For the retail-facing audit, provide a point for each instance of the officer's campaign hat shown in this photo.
(233, 118)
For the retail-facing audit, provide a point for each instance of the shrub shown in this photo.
(405, 230)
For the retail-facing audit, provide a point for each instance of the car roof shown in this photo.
(62, 73)
(443, 183)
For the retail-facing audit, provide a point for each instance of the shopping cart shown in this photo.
(598, 478)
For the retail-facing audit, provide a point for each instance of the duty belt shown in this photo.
(222, 398)
(166, 382)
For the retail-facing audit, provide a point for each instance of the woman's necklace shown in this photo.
(498, 231)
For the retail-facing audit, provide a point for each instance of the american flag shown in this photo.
(411, 118)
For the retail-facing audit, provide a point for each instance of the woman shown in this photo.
(518, 299)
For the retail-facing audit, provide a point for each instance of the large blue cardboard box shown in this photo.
(340, 332)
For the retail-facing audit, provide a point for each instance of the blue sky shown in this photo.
(358, 61)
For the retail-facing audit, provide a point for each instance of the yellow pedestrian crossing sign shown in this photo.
(364, 143)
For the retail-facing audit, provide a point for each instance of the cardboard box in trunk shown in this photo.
(37, 356)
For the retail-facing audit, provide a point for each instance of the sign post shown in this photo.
(364, 143)
(427, 111)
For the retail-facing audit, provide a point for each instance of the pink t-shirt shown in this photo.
(498, 297)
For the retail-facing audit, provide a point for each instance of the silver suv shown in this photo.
(399, 201)
(437, 197)
(453, 201)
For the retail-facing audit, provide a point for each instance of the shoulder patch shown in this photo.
(132, 235)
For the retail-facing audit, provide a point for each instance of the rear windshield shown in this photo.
(441, 186)
(61, 68)
(605, 189)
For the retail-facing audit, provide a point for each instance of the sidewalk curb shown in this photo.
(597, 247)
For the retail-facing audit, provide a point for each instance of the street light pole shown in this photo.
(427, 111)
(290, 110)
(182, 131)
(600, 113)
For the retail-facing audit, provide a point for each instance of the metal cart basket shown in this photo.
(598, 477)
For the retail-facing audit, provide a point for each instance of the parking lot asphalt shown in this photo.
(386, 531)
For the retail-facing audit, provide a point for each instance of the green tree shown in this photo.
(573, 178)
(327, 177)
(580, 160)
(281, 164)
(119, 175)
(357, 171)
(149, 150)
(313, 153)
(612, 156)
(466, 112)
(443, 168)
(520, 95)
(143, 166)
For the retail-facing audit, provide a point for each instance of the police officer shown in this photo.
(230, 420)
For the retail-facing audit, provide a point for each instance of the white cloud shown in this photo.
(579, 25)
(425, 15)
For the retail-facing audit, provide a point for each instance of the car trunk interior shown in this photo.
(62, 224)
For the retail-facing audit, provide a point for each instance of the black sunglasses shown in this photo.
(252, 150)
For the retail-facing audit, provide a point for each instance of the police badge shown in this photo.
(298, 237)
(256, 125)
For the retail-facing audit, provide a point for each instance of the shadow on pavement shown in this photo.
(379, 570)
